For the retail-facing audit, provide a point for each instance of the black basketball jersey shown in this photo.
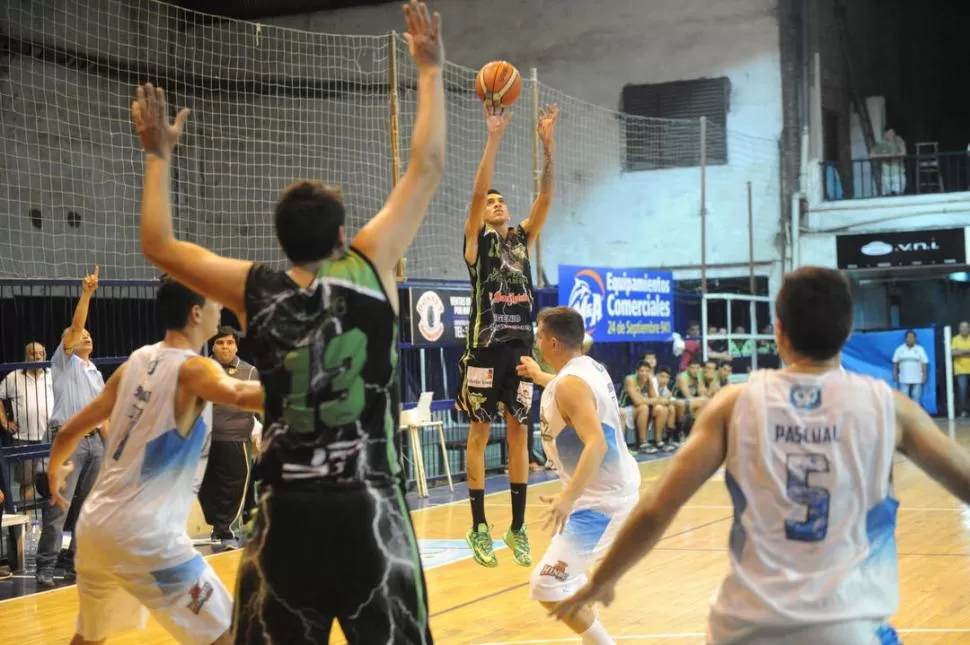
(502, 298)
(327, 357)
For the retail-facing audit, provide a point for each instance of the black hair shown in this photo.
(308, 218)
(725, 364)
(492, 191)
(174, 302)
(665, 370)
(226, 330)
(814, 306)
(565, 324)
(643, 364)
(908, 332)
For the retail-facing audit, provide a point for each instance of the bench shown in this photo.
(17, 525)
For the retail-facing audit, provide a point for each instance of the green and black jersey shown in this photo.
(502, 297)
(624, 399)
(327, 357)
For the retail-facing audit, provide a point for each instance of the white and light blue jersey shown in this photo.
(150, 472)
(618, 479)
(809, 471)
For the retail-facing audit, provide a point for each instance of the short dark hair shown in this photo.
(308, 218)
(710, 361)
(694, 360)
(815, 306)
(565, 324)
(174, 302)
(650, 352)
(492, 191)
(643, 364)
(908, 332)
(725, 364)
(664, 370)
(226, 330)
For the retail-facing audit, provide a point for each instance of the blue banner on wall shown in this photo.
(620, 305)
(871, 352)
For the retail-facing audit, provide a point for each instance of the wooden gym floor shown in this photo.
(664, 600)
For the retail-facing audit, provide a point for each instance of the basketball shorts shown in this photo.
(488, 378)
(586, 537)
(116, 595)
(320, 555)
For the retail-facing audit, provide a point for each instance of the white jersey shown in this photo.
(808, 468)
(618, 480)
(150, 472)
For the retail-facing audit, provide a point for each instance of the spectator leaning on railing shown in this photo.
(31, 396)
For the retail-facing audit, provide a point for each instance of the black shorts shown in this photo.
(319, 556)
(488, 377)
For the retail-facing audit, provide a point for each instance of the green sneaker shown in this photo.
(483, 550)
(518, 541)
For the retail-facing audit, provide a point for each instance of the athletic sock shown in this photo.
(597, 635)
(518, 505)
(477, 498)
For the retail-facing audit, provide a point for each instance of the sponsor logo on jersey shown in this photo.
(199, 594)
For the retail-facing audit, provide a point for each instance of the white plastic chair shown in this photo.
(414, 421)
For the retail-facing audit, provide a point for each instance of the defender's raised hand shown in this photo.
(149, 113)
(424, 35)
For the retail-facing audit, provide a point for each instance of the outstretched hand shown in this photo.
(547, 123)
(149, 112)
(89, 283)
(496, 120)
(424, 35)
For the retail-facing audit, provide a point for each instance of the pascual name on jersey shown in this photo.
(810, 434)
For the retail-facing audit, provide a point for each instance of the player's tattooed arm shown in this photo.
(216, 277)
(69, 436)
(540, 208)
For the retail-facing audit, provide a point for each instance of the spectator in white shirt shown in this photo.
(31, 397)
(910, 367)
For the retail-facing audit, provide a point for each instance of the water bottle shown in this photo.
(33, 538)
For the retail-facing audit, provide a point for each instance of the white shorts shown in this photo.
(585, 539)
(187, 599)
(853, 632)
(630, 417)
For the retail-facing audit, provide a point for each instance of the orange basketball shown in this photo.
(498, 83)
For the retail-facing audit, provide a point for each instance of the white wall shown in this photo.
(68, 145)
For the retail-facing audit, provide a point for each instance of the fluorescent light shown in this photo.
(960, 276)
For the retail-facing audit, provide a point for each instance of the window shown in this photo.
(652, 144)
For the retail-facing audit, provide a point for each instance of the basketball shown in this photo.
(498, 83)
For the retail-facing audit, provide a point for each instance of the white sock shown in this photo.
(597, 635)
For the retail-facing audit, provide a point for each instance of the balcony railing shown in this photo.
(943, 172)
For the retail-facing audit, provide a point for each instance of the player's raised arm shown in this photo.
(694, 464)
(540, 207)
(920, 439)
(387, 236)
(205, 379)
(496, 124)
(216, 277)
(92, 415)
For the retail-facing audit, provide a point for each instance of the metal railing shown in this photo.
(943, 172)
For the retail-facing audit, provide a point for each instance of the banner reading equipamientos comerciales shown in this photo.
(620, 305)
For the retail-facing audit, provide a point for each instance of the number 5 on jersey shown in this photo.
(816, 499)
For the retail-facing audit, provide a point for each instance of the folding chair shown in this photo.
(415, 420)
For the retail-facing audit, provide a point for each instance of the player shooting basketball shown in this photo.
(500, 332)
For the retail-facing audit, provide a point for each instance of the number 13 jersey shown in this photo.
(327, 357)
(809, 471)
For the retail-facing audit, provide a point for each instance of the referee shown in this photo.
(223, 488)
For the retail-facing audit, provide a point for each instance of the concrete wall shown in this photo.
(267, 110)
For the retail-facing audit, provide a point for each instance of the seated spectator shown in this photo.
(665, 411)
(724, 371)
(768, 351)
(741, 350)
(690, 388)
(712, 380)
(633, 402)
(717, 349)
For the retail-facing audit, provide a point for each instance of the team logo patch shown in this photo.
(480, 377)
(806, 397)
(199, 594)
(430, 309)
(557, 571)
